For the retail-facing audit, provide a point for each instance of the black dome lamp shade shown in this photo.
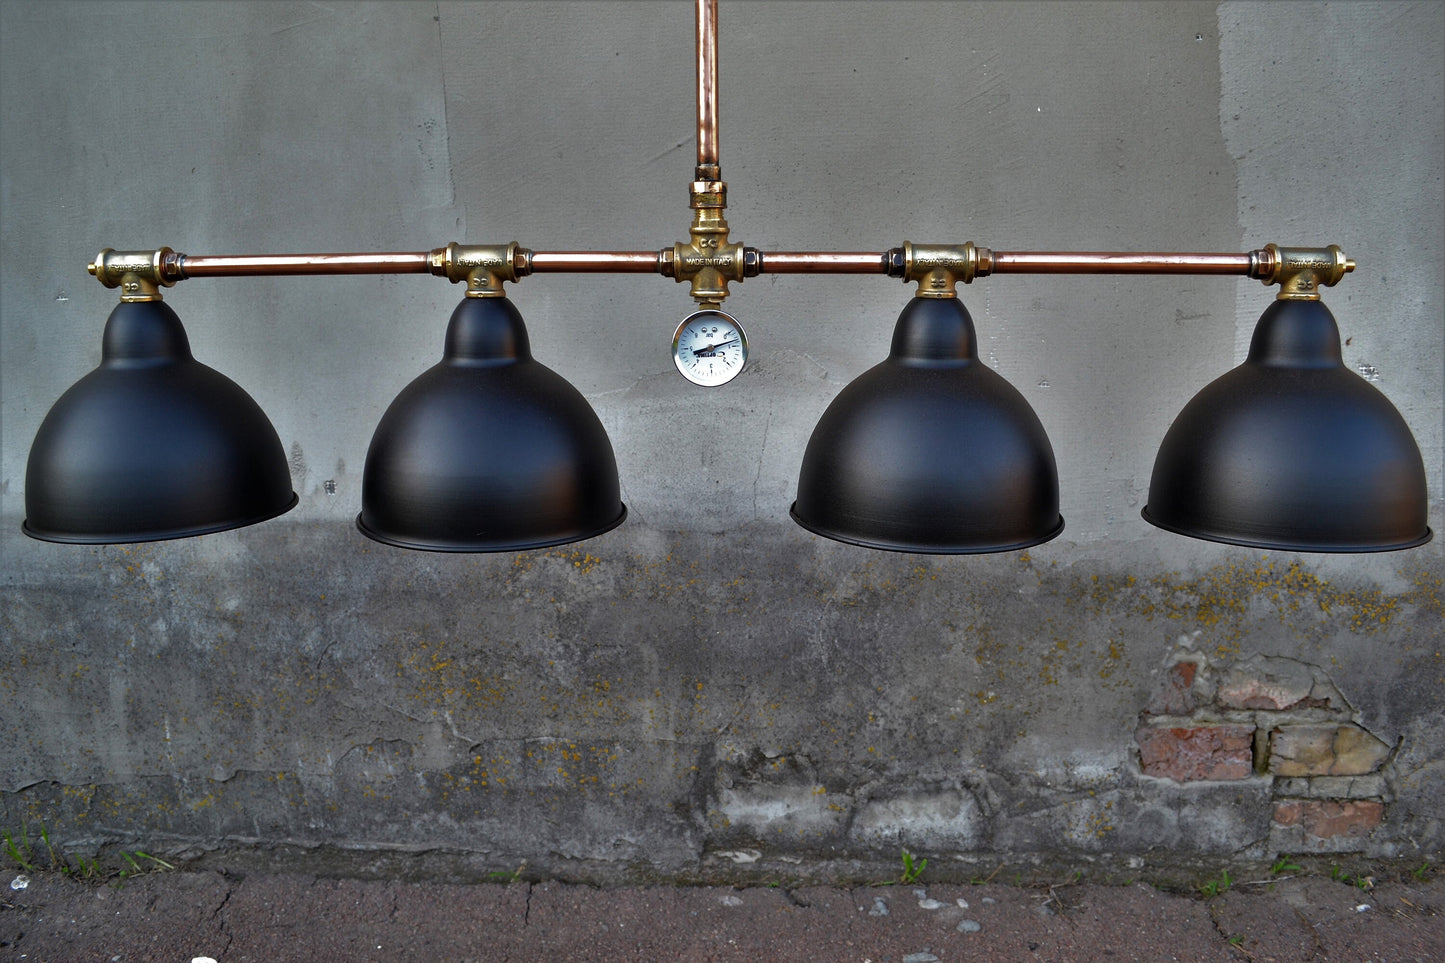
(489, 450)
(1292, 450)
(152, 444)
(930, 451)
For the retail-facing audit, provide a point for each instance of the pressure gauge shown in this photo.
(709, 348)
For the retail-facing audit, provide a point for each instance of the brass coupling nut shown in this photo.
(139, 274)
(708, 193)
(483, 267)
(937, 268)
(1299, 271)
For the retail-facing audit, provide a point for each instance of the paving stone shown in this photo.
(180, 916)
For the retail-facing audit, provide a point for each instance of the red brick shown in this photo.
(1196, 753)
(1175, 696)
(1330, 817)
(1265, 684)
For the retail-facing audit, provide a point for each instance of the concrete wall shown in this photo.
(709, 689)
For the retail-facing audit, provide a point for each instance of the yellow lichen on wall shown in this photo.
(1227, 600)
(1222, 597)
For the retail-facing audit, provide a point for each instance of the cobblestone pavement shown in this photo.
(180, 917)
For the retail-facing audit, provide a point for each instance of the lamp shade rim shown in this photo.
(513, 545)
(980, 548)
(160, 535)
(1288, 546)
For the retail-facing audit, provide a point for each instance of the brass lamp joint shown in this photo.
(1300, 272)
(139, 274)
(937, 268)
(483, 267)
(708, 260)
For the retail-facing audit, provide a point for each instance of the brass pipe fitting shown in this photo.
(139, 274)
(708, 261)
(484, 267)
(937, 268)
(1300, 272)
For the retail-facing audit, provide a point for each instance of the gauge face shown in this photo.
(709, 348)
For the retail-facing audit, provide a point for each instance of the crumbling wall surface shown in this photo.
(684, 704)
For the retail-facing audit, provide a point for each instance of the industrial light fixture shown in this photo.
(929, 451)
(1291, 449)
(152, 444)
(488, 450)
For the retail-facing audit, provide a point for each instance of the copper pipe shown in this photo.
(1114, 262)
(181, 266)
(595, 262)
(707, 89)
(258, 265)
(846, 262)
(178, 266)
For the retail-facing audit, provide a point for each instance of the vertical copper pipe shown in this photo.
(707, 89)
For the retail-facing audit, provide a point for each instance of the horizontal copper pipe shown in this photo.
(180, 266)
(841, 262)
(259, 265)
(557, 262)
(1113, 262)
(595, 262)
(183, 266)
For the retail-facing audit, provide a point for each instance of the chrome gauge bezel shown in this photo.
(691, 341)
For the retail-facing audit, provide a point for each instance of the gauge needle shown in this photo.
(707, 351)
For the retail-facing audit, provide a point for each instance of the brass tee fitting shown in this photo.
(484, 267)
(937, 268)
(1300, 272)
(139, 274)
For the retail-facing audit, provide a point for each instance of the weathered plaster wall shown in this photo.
(709, 683)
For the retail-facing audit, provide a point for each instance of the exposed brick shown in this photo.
(1358, 752)
(1325, 751)
(1264, 683)
(1301, 750)
(1326, 818)
(1332, 787)
(1175, 696)
(1194, 753)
